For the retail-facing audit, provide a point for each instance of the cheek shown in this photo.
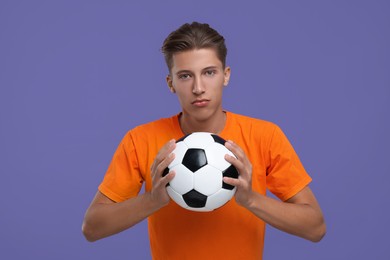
(219, 81)
(218, 85)
(182, 94)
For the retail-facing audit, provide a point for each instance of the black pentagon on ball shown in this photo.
(165, 172)
(194, 159)
(218, 139)
(195, 199)
(232, 173)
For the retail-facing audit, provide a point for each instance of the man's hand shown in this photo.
(105, 217)
(244, 167)
(300, 215)
(163, 159)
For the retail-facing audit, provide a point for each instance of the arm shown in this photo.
(300, 215)
(104, 217)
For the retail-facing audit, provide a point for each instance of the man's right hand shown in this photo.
(164, 157)
(105, 217)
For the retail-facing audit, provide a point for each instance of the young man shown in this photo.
(195, 55)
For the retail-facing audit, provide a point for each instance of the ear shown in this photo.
(226, 76)
(170, 83)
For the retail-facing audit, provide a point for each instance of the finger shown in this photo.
(240, 154)
(232, 181)
(162, 172)
(235, 149)
(235, 162)
(243, 166)
(165, 150)
(167, 178)
(162, 154)
(164, 164)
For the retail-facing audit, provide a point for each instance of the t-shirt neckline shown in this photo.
(179, 131)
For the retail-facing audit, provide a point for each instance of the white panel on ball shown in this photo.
(199, 140)
(183, 181)
(214, 158)
(176, 197)
(208, 180)
(220, 198)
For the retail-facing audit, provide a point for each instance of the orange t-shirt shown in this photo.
(229, 232)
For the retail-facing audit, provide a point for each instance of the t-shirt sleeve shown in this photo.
(123, 179)
(286, 175)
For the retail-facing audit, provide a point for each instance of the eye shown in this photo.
(210, 72)
(184, 76)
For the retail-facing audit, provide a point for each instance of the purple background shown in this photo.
(76, 75)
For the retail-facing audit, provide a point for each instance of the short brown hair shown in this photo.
(193, 36)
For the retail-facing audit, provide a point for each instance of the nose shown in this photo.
(198, 87)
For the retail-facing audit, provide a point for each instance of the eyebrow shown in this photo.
(183, 71)
(210, 68)
(189, 71)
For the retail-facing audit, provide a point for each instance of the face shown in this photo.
(198, 78)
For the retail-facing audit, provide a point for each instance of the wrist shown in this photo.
(250, 201)
(153, 202)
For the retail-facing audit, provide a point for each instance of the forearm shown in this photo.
(105, 219)
(303, 220)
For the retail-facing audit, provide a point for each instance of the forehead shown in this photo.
(196, 59)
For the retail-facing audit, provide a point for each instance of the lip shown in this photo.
(201, 102)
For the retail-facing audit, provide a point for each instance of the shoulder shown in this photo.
(162, 128)
(166, 122)
(250, 132)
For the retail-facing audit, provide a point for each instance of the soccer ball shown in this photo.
(200, 165)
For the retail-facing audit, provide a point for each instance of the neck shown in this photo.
(213, 124)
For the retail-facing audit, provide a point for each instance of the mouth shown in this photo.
(200, 102)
